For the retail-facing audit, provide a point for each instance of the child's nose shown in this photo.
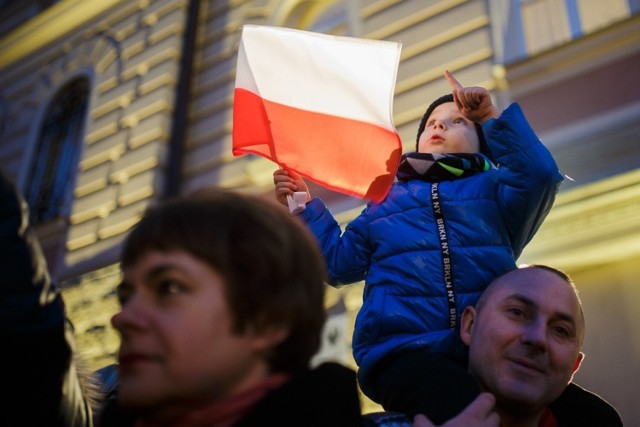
(438, 124)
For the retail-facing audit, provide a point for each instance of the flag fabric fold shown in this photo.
(319, 105)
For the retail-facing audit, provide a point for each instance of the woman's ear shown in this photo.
(467, 322)
(270, 337)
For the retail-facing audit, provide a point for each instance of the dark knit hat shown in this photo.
(484, 148)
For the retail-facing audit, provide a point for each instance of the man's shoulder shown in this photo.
(578, 406)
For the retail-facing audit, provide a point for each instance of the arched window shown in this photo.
(334, 20)
(52, 173)
(328, 17)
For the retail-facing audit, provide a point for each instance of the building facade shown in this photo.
(108, 106)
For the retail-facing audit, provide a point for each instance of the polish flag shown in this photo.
(319, 105)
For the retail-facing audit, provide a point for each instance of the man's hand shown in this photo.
(288, 182)
(473, 102)
(479, 413)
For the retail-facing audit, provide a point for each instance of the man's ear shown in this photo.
(467, 322)
(577, 363)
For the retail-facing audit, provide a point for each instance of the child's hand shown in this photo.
(473, 102)
(287, 182)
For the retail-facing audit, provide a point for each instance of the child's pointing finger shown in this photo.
(455, 85)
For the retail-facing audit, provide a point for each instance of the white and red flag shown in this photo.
(319, 105)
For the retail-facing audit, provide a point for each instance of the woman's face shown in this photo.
(177, 350)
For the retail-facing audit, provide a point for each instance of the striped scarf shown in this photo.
(441, 167)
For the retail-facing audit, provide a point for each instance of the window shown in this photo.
(530, 27)
(50, 180)
(328, 17)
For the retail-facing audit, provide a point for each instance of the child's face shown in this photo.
(448, 131)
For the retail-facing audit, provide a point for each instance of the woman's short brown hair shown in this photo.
(272, 268)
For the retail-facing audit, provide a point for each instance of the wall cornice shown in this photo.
(590, 225)
(55, 22)
(562, 62)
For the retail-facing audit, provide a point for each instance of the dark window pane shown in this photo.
(55, 160)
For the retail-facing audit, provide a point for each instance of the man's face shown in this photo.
(524, 342)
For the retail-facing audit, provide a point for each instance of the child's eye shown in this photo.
(459, 120)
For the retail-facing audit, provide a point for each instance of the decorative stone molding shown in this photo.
(590, 225)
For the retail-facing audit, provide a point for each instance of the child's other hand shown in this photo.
(473, 102)
(288, 182)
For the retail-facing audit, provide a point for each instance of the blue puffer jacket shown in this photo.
(394, 246)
